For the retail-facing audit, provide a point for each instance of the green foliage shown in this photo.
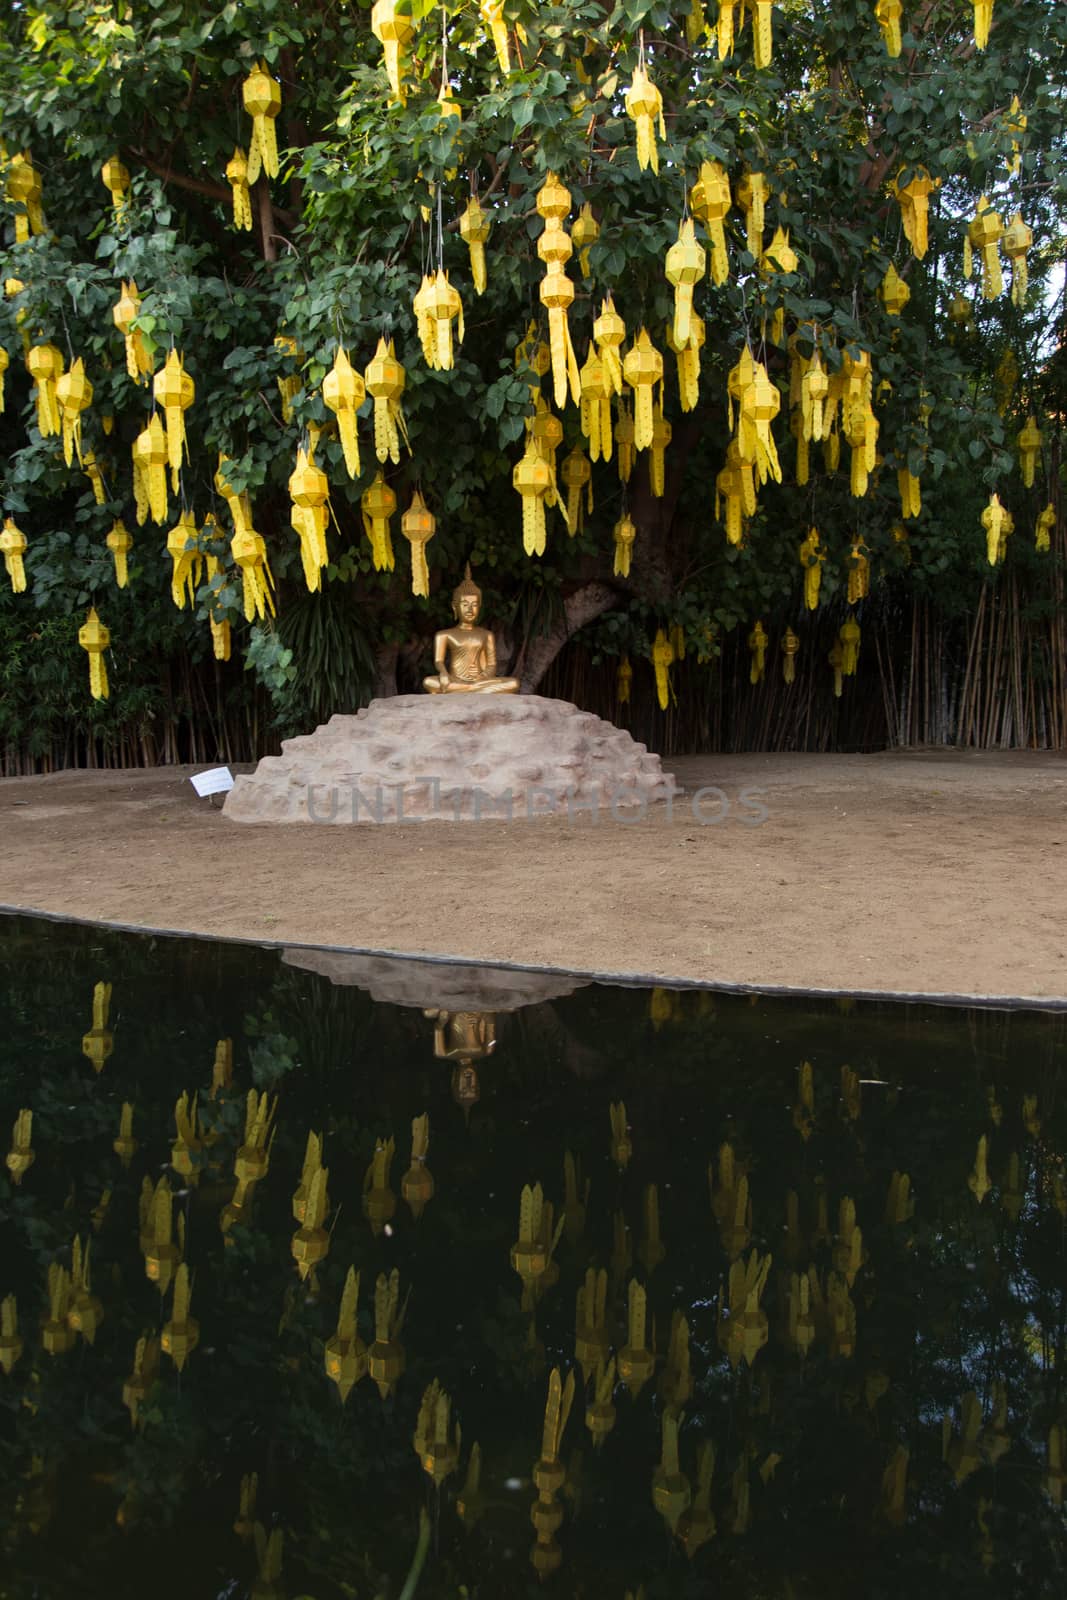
(340, 243)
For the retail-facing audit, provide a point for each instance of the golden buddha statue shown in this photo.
(463, 1037)
(465, 655)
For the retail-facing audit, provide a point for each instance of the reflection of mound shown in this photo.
(429, 985)
(450, 758)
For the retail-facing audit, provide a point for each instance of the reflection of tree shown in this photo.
(962, 1296)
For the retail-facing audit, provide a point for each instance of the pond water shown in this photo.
(824, 1243)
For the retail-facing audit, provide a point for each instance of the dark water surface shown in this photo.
(856, 1293)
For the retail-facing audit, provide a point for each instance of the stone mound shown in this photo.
(447, 986)
(452, 758)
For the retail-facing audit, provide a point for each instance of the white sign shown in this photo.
(217, 780)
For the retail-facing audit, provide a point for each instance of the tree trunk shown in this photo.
(385, 684)
(579, 608)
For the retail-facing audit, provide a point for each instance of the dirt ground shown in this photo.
(924, 872)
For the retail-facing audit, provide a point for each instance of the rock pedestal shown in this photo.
(452, 758)
(449, 986)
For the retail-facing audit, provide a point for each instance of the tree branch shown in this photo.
(579, 608)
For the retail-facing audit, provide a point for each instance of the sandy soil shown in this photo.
(927, 872)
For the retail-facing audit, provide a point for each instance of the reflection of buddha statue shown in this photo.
(465, 655)
(464, 1037)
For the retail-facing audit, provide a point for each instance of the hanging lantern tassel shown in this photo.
(5, 362)
(644, 104)
(762, 34)
(394, 31)
(994, 520)
(474, 228)
(291, 383)
(624, 439)
(662, 660)
(624, 534)
(444, 307)
(557, 293)
(584, 234)
(116, 180)
(849, 636)
(385, 379)
(983, 235)
(1029, 444)
(182, 541)
(894, 292)
(309, 490)
(95, 476)
(661, 438)
(729, 490)
(710, 202)
(532, 479)
(24, 187)
(911, 503)
(796, 428)
(95, 638)
(175, 391)
(983, 21)
(149, 472)
(220, 627)
(1046, 522)
(13, 547)
(887, 14)
(623, 680)
(687, 357)
(577, 475)
(859, 572)
(643, 369)
(493, 17)
(790, 646)
(835, 656)
(751, 196)
(609, 331)
(757, 644)
(138, 360)
(685, 267)
(811, 559)
(595, 409)
(379, 503)
(262, 97)
(914, 202)
(249, 551)
(44, 363)
(725, 27)
(120, 542)
(814, 388)
(1016, 241)
(418, 525)
(74, 394)
(343, 392)
(237, 178)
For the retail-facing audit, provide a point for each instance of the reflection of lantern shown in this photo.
(466, 1088)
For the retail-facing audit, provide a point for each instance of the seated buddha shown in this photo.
(465, 655)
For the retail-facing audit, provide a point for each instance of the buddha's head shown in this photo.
(466, 599)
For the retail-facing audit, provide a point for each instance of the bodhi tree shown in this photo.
(675, 321)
